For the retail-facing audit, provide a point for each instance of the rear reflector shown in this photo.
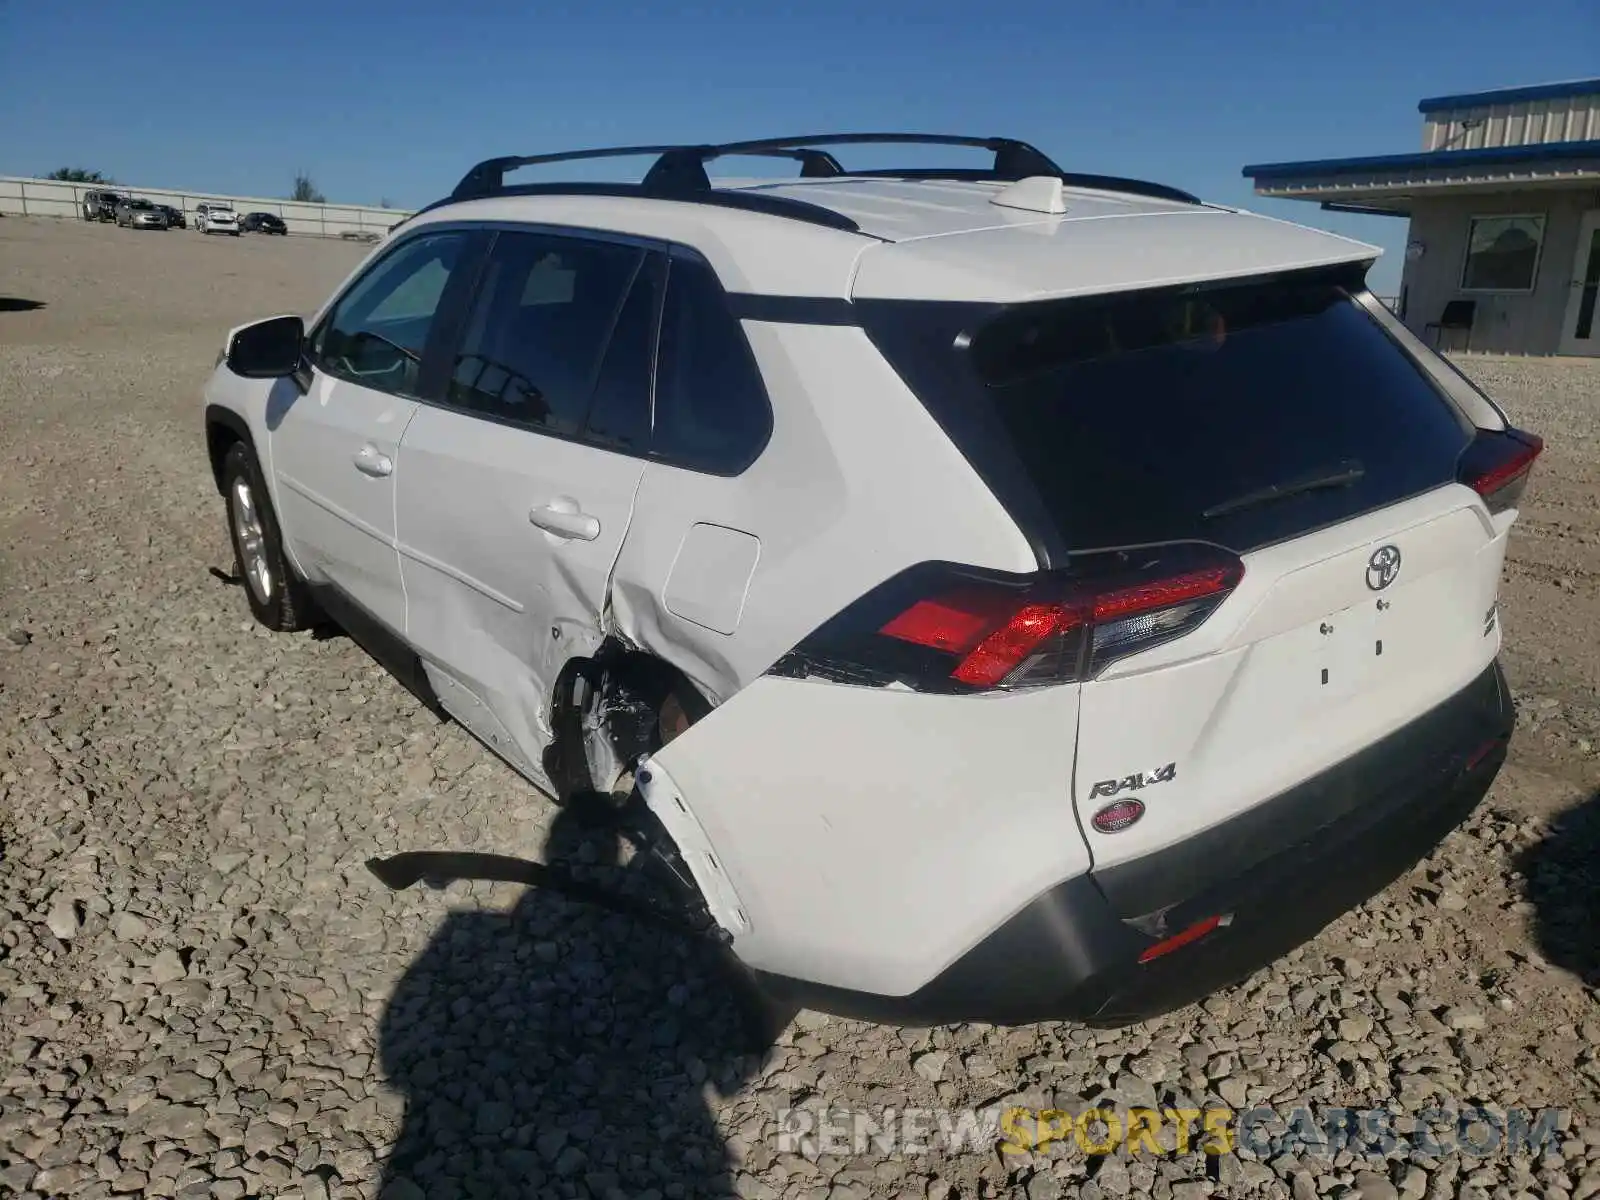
(1497, 464)
(939, 624)
(1179, 940)
(944, 627)
(1475, 759)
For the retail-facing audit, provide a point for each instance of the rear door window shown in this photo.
(619, 412)
(544, 314)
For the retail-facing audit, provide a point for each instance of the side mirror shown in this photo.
(268, 349)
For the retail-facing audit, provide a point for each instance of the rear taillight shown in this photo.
(1497, 464)
(941, 627)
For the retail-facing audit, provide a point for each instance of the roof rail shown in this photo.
(1078, 179)
(679, 172)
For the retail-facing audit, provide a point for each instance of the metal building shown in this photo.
(1503, 252)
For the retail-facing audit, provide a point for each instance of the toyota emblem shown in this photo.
(1383, 567)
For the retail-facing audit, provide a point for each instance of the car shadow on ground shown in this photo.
(1563, 884)
(17, 304)
(560, 1049)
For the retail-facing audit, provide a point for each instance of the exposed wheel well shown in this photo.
(611, 709)
(224, 429)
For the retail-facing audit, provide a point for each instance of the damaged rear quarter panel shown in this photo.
(844, 817)
(856, 483)
(873, 835)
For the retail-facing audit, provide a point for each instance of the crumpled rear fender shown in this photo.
(867, 837)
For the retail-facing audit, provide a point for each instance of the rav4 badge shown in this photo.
(1132, 783)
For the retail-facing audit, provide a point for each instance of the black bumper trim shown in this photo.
(1363, 788)
(1283, 870)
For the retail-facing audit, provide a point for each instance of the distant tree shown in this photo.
(79, 175)
(306, 191)
(384, 202)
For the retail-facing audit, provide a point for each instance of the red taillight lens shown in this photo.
(1162, 593)
(943, 628)
(1497, 465)
(1010, 646)
(993, 634)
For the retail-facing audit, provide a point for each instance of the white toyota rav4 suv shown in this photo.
(1017, 594)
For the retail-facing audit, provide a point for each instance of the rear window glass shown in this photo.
(1165, 415)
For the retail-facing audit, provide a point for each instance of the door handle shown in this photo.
(369, 462)
(564, 518)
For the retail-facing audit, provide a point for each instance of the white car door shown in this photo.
(519, 487)
(335, 446)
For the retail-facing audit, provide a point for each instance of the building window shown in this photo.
(1503, 253)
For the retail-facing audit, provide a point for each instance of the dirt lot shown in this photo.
(203, 993)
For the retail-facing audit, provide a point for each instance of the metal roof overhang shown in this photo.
(1563, 90)
(1391, 183)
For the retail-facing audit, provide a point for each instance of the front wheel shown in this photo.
(277, 596)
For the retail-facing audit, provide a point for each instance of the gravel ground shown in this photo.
(204, 994)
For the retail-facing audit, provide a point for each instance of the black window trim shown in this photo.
(658, 256)
(769, 417)
(658, 263)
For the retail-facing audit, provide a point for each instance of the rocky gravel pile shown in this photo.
(204, 993)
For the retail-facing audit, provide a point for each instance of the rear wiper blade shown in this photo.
(1342, 475)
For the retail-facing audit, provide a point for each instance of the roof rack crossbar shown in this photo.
(679, 172)
(682, 168)
(488, 177)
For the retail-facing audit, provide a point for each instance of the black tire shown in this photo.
(281, 602)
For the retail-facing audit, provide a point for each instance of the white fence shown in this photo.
(53, 198)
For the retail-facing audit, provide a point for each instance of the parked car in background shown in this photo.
(213, 217)
(140, 214)
(101, 205)
(263, 222)
(175, 218)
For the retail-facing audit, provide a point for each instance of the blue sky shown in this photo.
(395, 100)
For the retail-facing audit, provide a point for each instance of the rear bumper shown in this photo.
(1280, 872)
